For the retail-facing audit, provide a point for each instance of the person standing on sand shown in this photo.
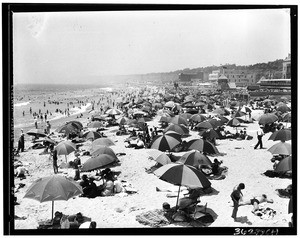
(260, 134)
(48, 127)
(236, 195)
(21, 143)
(35, 123)
(54, 157)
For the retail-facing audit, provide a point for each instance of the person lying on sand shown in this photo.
(255, 201)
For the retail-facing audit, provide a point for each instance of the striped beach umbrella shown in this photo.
(202, 146)
(163, 159)
(101, 149)
(180, 129)
(113, 111)
(65, 148)
(209, 133)
(179, 120)
(182, 175)
(91, 135)
(166, 141)
(195, 158)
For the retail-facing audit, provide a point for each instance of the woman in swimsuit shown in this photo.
(257, 200)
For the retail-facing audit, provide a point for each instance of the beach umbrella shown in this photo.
(182, 175)
(267, 118)
(287, 117)
(170, 104)
(113, 111)
(209, 107)
(164, 112)
(189, 98)
(194, 158)
(53, 188)
(97, 162)
(139, 112)
(163, 159)
(284, 165)
(166, 141)
(186, 115)
(218, 111)
(197, 118)
(65, 148)
(95, 124)
(234, 122)
(283, 108)
(202, 145)
(163, 118)
(100, 117)
(122, 120)
(282, 135)
(281, 148)
(209, 133)
(102, 142)
(239, 114)
(215, 122)
(36, 133)
(157, 105)
(223, 120)
(154, 153)
(204, 125)
(245, 109)
(179, 120)
(67, 129)
(102, 149)
(76, 124)
(91, 135)
(180, 129)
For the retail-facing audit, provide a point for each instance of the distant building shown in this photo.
(286, 71)
(188, 77)
(241, 78)
(223, 82)
(214, 76)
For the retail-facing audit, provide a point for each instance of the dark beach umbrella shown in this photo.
(180, 129)
(95, 124)
(36, 133)
(234, 122)
(195, 158)
(282, 135)
(223, 120)
(67, 129)
(91, 135)
(283, 108)
(76, 124)
(98, 161)
(284, 165)
(166, 141)
(179, 120)
(204, 125)
(65, 148)
(102, 142)
(209, 133)
(202, 145)
(182, 175)
(267, 118)
(198, 118)
(53, 188)
(215, 122)
(101, 149)
(281, 148)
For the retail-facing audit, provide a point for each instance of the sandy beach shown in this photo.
(245, 165)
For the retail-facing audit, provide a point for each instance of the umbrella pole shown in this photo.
(66, 158)
(177, 197)
(52, 210)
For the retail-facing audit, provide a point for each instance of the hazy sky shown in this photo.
(53, 47)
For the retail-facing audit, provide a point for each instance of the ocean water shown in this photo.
(41, 98)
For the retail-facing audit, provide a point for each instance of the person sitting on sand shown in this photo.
(255, 201)
(205, 169)
(192, 197)
(20, 172)
(84, 182)
(215, 168)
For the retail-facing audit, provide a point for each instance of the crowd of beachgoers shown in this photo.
(155, 157)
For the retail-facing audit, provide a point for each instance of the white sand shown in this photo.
(245, 165)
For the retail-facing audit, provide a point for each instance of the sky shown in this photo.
(58, 46)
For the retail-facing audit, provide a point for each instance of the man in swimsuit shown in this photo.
(257, 200)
